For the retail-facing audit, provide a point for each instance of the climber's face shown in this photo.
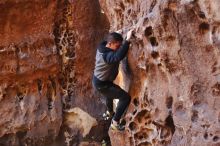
(114, 45)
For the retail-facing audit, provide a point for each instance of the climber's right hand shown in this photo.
(119, 31)
(129, 35)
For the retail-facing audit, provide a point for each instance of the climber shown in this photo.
(108, 56)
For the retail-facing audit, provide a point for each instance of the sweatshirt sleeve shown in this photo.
(116, 56)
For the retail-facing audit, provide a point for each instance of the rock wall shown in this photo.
(174, 62)
(30, 97)
(46, 50)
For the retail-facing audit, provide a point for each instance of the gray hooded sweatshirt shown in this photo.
(107, 63)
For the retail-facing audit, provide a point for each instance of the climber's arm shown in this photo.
(116, 56)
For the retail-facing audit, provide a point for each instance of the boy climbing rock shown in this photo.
(108, 56)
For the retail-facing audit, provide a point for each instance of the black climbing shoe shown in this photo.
(117, 126)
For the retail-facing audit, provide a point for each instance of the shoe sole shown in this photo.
(115, 128)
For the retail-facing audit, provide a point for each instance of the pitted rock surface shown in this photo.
(174, 59)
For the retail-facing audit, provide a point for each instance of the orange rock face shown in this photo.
(174, 61)
(29, 91)
(47, 52)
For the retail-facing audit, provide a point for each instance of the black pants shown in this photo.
(113, 91)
